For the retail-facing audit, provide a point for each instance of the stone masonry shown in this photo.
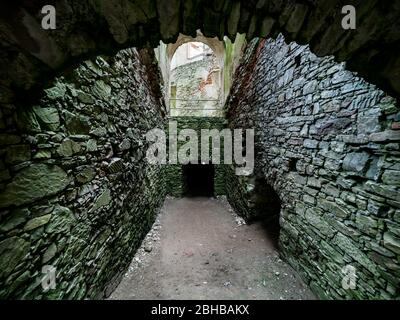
(76, 192)
(32, 55)
(173, 173)
(327, 142)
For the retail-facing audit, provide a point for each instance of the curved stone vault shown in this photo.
(88, 27)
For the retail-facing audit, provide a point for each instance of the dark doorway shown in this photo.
(267, 207)
(198, 180)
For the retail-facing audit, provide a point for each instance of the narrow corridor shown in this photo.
(199, 249)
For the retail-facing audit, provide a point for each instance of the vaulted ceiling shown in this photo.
(30, 55)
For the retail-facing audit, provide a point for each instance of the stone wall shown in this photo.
(197, 88)
(328, 143)
(173, 173)
(75, 191)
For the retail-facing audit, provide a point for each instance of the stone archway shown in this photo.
(215, 44)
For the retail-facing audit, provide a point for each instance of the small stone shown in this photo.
(49, 253)
(333, 208)
(48, 117)
(310, 144)
(388, 135)
(310, 87)
(85, 97)
(355, 162)
(42, 154)
(12, 251)
(68, 148)
(391, 242)
(91, 145)
(101, 90)
(391, 177)
(33, 183)
(86, 174)
(77, 124)
(37, 222)
(16, 218)
(102, 200)
(125, 145)
(56, 92)
(18, 153)
(366, 224)
(99, 132)
(367, 124)
(388, 107)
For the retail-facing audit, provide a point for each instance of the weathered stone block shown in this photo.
(37, 222)
(391, 242)
(49, 253)
(42, 154)
(77, 124)
(12, 251)
(15, 219)
(34, 183)
(68, 148)
(310, 144)
(48, 117)
(383, 190)
(99, 132)
(85, 174)
(391, 177)
(310, 87)
(85, 97)
(350, 248)
(101, 90)
(91, 145)
(355, 162)
(368, 124)
(333, 208)
(56, 92)
(367, 224)
(315, 219)
(384, 136)
(102, 200)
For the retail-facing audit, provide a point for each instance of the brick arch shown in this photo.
(30, 55)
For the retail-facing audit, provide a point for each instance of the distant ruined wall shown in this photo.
(328, 144)
(198, 88)
(75, 190)
(173, 172)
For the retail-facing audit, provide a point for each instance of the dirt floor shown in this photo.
(199, 249)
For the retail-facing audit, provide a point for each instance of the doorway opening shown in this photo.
(267, 207)
(198, 180)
